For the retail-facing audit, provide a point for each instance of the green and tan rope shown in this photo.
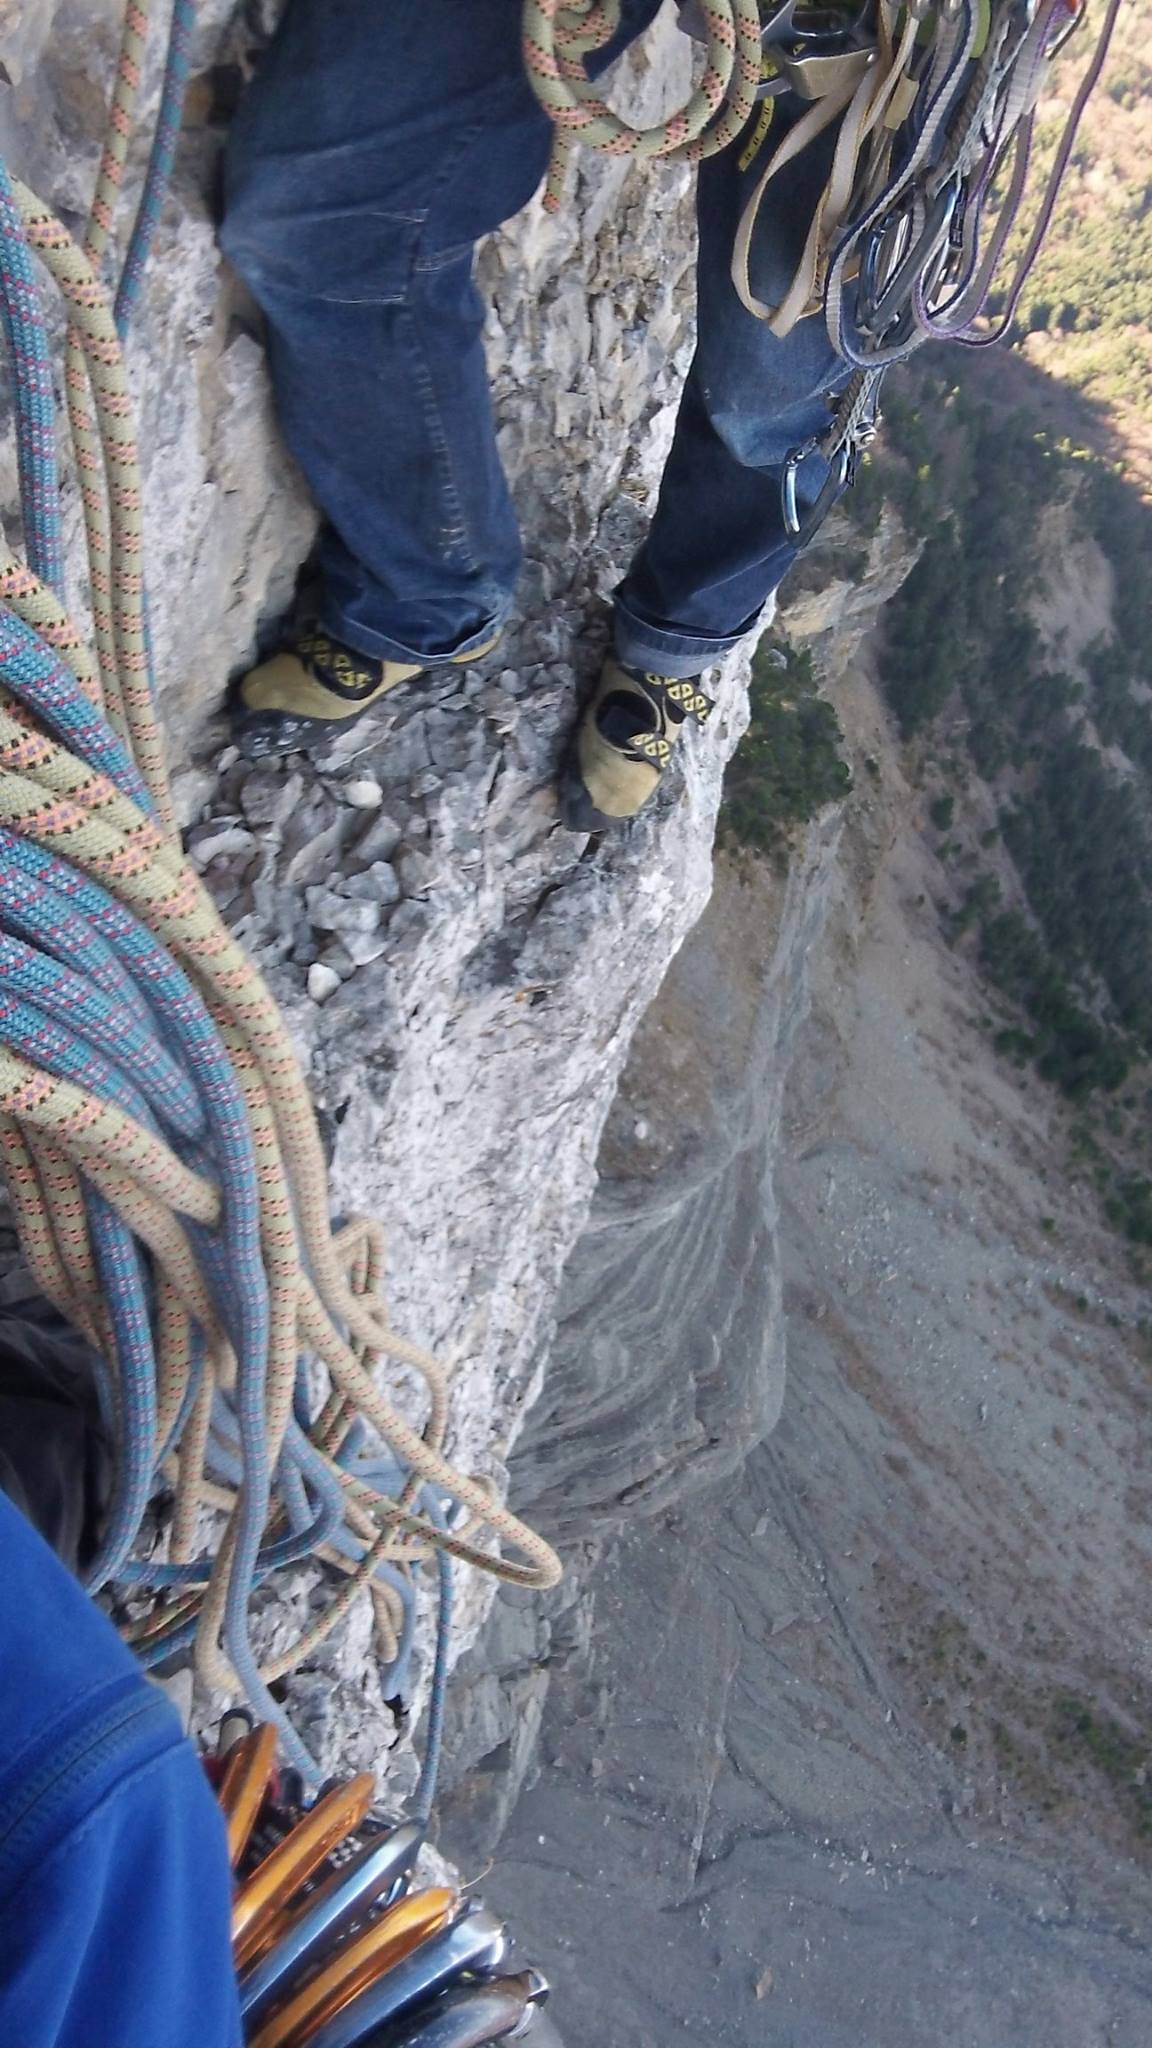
(559, 34)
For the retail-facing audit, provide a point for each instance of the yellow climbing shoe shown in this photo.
(314, 689)
(623, 744)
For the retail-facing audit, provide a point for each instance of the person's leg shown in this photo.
(718, 547)
(376, 145)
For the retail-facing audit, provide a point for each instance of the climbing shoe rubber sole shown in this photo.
(308, 694)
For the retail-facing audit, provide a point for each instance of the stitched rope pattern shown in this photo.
(177, 65)
(559, 34)
(32, 366)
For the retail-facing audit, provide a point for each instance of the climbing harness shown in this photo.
(333, 1938)
(159, 1148)
(934, 106)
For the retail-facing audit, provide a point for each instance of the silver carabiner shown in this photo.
(802, 527)
(897, 293)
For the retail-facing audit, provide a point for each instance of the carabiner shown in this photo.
(896, 295)
(312, 1929)
(802, 527)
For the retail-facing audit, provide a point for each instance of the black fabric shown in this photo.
(55, 1458)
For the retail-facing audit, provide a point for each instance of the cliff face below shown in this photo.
(667, 1368)
(837, 1735)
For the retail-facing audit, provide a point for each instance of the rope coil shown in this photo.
(560, 34)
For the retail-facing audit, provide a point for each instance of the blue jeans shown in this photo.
(378, 143)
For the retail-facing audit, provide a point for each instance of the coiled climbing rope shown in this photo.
(560, 34)
(157, 1140)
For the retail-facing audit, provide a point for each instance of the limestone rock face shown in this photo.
(225, 517)
(667, 1369)
(462, 974)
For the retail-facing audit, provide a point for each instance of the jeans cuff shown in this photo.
(362, 640)
(668, 652)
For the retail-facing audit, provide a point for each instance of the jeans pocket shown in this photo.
(339, 256)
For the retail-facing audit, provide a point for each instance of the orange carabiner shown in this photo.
(357, 1965)
(294, 1859)
(242, 1788)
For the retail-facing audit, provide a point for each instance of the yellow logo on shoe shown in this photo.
(681, 691)
(690, 699)
(342, 666)
(653, 747)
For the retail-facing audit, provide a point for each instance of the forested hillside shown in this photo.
(1086, 317)
(1022, 682)
(1018, 655)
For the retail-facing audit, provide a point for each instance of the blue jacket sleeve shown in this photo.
(115, 1891)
